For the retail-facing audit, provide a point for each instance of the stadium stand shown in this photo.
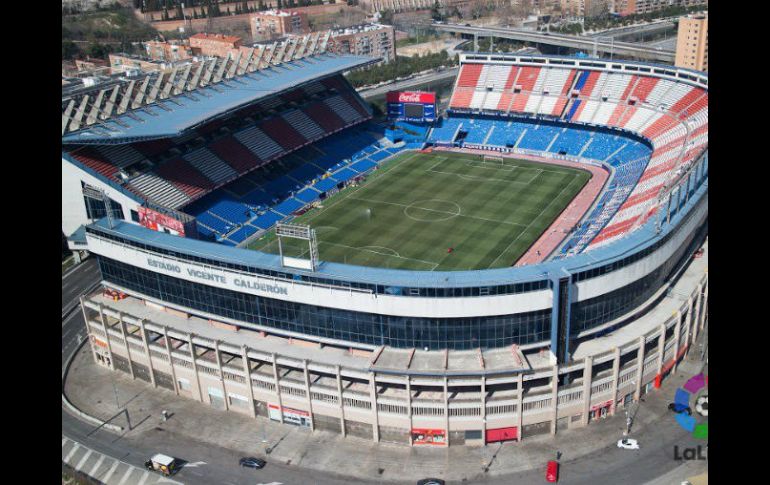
(672, 116)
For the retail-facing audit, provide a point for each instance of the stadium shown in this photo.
(527, 262)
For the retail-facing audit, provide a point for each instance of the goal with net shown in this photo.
(493, 159)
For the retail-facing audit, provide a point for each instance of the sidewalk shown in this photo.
(90, 388)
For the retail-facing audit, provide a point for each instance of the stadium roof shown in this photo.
(173, 116)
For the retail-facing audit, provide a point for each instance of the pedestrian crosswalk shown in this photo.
(106, 469)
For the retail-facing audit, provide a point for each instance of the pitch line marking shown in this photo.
(450, 215)
(445, 212)
(395, 253)
(533, 220)
(381, 254)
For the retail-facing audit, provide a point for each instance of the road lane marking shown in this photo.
(98, 464)
(63, 442)
(144, 478)
(112, 470)
(83, 460)
(126, 475)
(72, 452)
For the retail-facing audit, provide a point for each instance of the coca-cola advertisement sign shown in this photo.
(411, 97)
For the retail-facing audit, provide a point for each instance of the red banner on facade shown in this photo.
(160, 222)
(411, 97)
(427, 436)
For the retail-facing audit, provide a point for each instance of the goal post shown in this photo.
(493, 159)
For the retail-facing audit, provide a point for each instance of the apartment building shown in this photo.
(692, 42)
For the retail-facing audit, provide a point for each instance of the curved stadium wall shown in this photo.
(561, 305)
(370, 307)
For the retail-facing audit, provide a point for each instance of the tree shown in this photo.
(69, 50)
(435, 11)
(98, 50)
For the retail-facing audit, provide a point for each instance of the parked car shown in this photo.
(628, 444)
(251, 462)
(431, 481)
(552, 471)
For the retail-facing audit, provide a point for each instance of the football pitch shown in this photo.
(438, 211)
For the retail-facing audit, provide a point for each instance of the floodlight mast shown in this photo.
(304, 233)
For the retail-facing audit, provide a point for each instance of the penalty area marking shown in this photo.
(363, 248)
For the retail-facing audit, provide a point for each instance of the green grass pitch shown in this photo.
(408, 214)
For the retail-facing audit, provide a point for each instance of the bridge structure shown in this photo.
(595, 45)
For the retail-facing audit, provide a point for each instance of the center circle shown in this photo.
(432, 210)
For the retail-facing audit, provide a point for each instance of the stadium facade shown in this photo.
(417, 357)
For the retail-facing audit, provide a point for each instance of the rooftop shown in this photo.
(173, 116)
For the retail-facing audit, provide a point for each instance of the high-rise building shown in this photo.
(692, 42)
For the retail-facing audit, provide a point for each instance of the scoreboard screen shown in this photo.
(414, 106)
(414, 111)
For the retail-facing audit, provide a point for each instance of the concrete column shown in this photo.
(143, 331)
(375, 417)
(484, 409)
(615, 377)
(520, 407)
(247, 377)
(195, 366)
(307, 394)
(340, 401)
(88, 331)
(696, 317)
(639, 369)
(277, 384)
(170, 360)
(705, 304)
(409, 406)
(588, 364)
(554, 398)
(122, 326)
(106, 336)
(661, 346)
(446, 408)
(221, 374)
(677, 333)
(687, 324)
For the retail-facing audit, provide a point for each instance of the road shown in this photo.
(409, 83)
(213, 464)
(639, 51)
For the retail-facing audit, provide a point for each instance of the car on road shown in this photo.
(431, 481)
(628, 444)
(167, 465)
(251, 462)
(552, 471)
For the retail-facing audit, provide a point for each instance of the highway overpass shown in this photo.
(590, 45)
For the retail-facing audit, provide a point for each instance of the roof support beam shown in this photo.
(75, 123)
(95, 108)
(110, 104)
(65, 118)
(155, 89)
(140, 94)
(169, 84)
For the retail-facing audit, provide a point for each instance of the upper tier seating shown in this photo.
(179, 170)
(672, 115)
